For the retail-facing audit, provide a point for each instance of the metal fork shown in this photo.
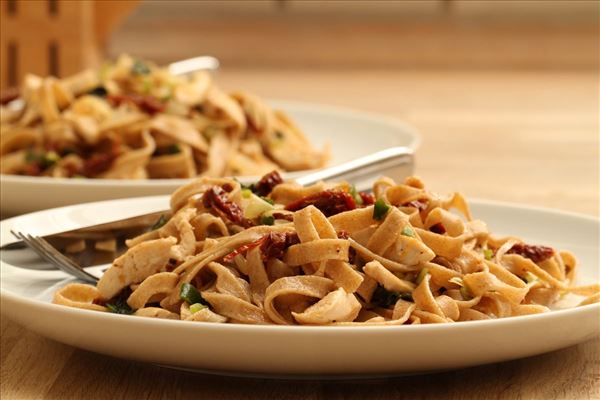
(46, 251)
(359, 170)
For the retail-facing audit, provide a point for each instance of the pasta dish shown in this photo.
(279, 253)
(133, 120)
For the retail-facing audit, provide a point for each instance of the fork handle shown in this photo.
(394, 161)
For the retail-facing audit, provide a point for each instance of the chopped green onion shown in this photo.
(190, 294)
(380, 209)
(140, 68)
(99, 91)
(529, 277)
(246, 193)
(385, 298)
(407, 231)
(457, 281)
(173, 149)
(194, 308)
(49, 159)
(406, 296)
(268, 200)
(256, 206)
(162, 220)
(147, 86)
(465, 293)
(267, 220)
(31, 156)
(422, 274)
(357, 199)
(44, 160)
(119, 307)
(488, 254)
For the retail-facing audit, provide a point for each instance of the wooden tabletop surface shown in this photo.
(522, 136)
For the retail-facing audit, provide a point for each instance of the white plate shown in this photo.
(350, 133)
(280, 350)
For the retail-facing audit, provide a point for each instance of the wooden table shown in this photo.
(529, 137)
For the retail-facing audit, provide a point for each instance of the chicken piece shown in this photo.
(135, 265)
(337, 306)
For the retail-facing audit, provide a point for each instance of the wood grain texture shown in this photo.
(529, 137)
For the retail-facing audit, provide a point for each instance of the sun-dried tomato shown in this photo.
(216, 198)
(280, 215)
(276, 243)
(243, 248)
(418, 204)
(98, 163)
(367, 198)
(438, 228)
(149, 104)
(330, 202)
(266, 184)
(32, 169)
(272, 245)
(343, 235)
(9, 94)
(535, 253)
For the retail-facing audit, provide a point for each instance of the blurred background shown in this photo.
(502, 91)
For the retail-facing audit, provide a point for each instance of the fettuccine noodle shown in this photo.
(278, 253)
(133, 120)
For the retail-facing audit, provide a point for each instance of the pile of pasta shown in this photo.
(133, 120)
(280, 253)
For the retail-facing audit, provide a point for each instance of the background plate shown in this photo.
(350, 133)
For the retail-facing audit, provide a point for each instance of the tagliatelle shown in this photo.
(133, 120)
(327, 255)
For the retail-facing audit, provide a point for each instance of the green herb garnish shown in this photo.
(465, 292)
(140, 68)
(194, 308)
(380, 209)
(147, 85)
(31, 156)
(457, 281)
(190, 294)
(422, 274)
(385, 298)
(488, 254)
(529, 277)
(174, 149)
(44, 160)
(355, 195)
(162, 220)
(51, 157)
(267, 220)
(268, 200)
(407, 231)
(99, 91)
(120, 306)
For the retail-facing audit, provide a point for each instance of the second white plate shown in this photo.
(351, 134)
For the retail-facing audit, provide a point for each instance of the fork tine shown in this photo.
(43, 249)
(44, 254)
(62, 261)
